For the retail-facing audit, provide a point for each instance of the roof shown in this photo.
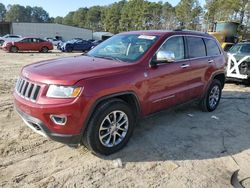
(228, 22)
(164, 32)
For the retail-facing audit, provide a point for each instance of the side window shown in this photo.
(212, 47)
(175, 45)
(25, 40)
(196, 47)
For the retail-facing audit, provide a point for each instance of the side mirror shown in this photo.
(163, 57)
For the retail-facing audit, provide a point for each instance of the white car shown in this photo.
(9, 38)
(54, 41)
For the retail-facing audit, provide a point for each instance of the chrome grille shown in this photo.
(27, 89)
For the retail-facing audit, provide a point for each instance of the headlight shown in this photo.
(56, 91)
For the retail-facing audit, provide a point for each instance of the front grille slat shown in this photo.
(21, 86)
(25, 85)
(27, 89)
(32, 96)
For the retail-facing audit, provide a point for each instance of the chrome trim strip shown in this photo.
(164, 98)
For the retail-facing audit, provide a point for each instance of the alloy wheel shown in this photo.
(214, 96)
(113, 128)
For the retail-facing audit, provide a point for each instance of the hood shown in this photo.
(67, 71)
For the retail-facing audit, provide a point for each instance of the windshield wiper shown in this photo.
(111, 58)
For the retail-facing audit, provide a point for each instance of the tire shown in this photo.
(44, 49)
(69, 49)
(99, 125)
(13, 49)
(212, 97)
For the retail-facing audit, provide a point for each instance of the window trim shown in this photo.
(216, 45)
(185, 48)
(202, 38)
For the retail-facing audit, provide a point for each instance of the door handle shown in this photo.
(210, 61)
(185, 66)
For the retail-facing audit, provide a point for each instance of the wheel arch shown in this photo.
(221, 77)
(129, 96)
(13, 45)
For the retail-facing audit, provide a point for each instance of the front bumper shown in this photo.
(39, 127)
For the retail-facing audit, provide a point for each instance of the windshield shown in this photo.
(240, 48)
(127, 48)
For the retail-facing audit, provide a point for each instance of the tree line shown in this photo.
(138, 15)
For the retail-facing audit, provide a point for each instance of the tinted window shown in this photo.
(196, 47)
(245, 48)
(175, 45)
(13, 36)
(212, 47)
(27, 40)
(38, 40)
(235, 48)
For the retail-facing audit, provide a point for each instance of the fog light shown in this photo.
(59, 119)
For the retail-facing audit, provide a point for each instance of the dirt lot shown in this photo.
(181, 147)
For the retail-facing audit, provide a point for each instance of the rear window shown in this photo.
(196, 47)
(212, 47)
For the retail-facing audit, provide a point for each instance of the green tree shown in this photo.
(38, 14)
(168, 16)
(188, 13)
(80, 17)
(58, 20)
(68, 19)
(112, 17)
(2, 12)
(17, 13)
(94, 18)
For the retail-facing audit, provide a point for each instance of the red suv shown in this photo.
(28, 44)
(97, 98)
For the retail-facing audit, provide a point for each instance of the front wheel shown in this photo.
(212, 98)
(69, 49)
(110, 127)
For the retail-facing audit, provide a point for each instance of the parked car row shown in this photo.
(16, 43)
(77, 44)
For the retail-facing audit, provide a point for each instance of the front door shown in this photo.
(169, 82)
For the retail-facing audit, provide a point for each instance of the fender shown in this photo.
(99, 100)
(211, 79)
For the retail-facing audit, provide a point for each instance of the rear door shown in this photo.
(199, 65)
(36, 44)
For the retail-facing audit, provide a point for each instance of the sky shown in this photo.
(62, 7)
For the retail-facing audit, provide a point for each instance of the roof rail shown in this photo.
(191, 31)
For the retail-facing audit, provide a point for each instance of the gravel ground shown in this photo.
(180, 147)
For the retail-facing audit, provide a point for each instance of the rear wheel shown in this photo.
(44, 49)
(110, 127)
(212, 98)
(13, 49)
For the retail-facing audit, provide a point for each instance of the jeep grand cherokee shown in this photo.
(97, 98)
